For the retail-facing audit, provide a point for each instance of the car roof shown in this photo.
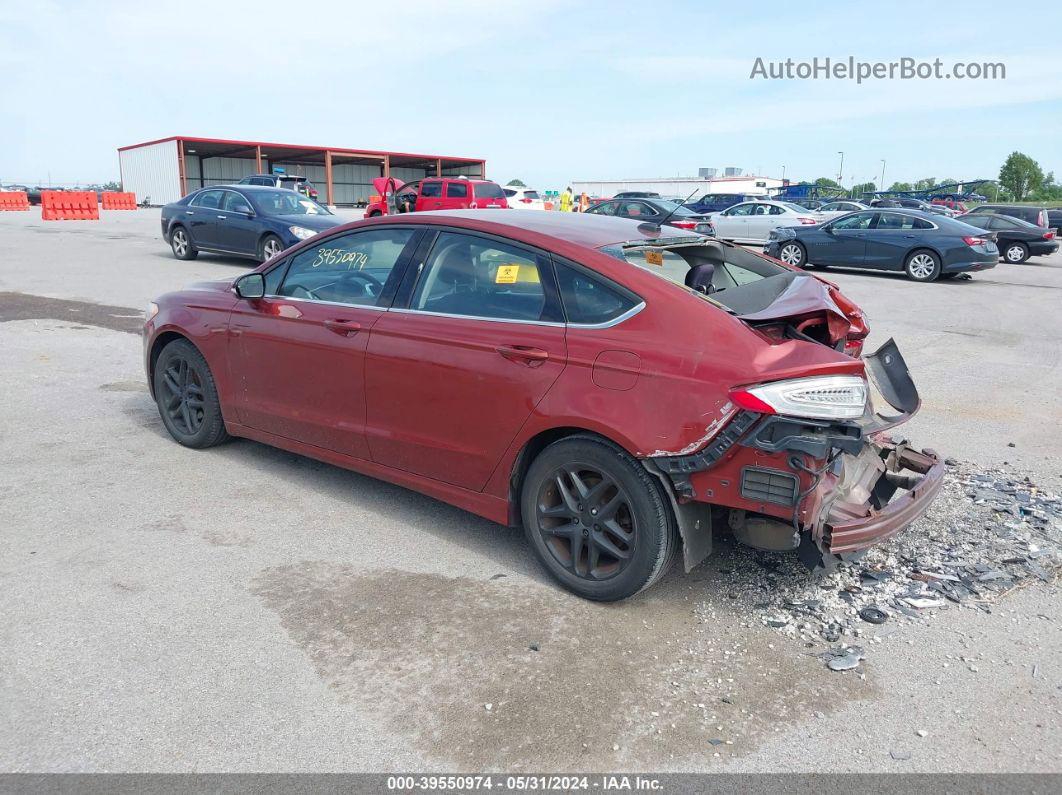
(583, 229)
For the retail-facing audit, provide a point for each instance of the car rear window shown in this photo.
(488, 190)
(456, 190)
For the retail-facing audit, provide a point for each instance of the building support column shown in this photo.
(328, 177)
(386, 166)
(438, 167)
(482, 169)
(258, 160)
(180, 168)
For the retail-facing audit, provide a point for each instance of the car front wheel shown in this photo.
(187, 396)
(181, 244)
(1016, 253)
(922, 266)
(270, 247)
(599, 523)
(792, 254)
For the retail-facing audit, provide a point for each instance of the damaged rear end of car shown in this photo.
(801, 455)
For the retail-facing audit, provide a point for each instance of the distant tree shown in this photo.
(1049, 190)
(925, 184)
(1020, 175)
(863, 187)
(111, 186)
(826, 182)
(516, 183)
(900, 187)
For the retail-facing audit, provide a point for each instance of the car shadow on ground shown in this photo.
(220, 259)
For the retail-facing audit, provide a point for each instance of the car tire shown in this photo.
(181, 244)
(950, 275)
(793, 253)
(375, 214)
(270, 246)
(187, 397)
(600, 524)
(1016, 253)
(922, 265)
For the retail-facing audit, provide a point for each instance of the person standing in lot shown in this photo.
(566, 200)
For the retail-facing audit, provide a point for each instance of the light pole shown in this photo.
(783, 173)
(840, 168)
(882, 186)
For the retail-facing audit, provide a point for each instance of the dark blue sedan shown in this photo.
(244, 220)
(926, 247)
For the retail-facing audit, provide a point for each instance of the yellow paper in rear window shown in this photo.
(654, 257)
(507, 274)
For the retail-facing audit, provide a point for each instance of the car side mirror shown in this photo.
(250, 286)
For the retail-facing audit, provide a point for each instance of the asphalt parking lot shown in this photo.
(245, 609)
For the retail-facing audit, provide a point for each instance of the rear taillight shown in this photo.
(684, 224)
(808, 221)
(974, 241)
(1049, 236)
(827, 397)
(525, 201)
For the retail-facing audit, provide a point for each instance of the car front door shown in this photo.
(201, 218)
(301, 348)
(844, 241)
(237, 228)
(453, 371)
(760, 223)
(732, 223)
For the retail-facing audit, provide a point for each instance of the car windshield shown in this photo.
(286, 202)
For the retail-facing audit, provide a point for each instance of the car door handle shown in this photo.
(189, 212)
(222, 217)
(532, 357)
(345, 328)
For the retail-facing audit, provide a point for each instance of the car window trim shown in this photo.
(204, 192)
(592, 275)
(242, 196)
(547, 276)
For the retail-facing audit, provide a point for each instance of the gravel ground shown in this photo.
(246, 609)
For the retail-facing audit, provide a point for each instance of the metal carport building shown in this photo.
(169, 168)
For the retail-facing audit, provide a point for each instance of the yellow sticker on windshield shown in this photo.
(654, 257)
(507, 274)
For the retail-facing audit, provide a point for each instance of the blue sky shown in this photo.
(548, 92)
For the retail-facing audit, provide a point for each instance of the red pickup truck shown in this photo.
(434, 193)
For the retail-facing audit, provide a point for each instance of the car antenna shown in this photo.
(659, 224)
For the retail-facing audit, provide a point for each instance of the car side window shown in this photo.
(476, 277)
(776, 210)
(608, 208)
(210, 199)
(589, 301)
(431, 190)
(235, 203)
(856, 221)
(457, 190)
(740, 209)
(761, 209)
(920, 223)
(347, 269)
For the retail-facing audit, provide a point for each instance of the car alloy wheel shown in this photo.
(922, 266)
(586, 522)
(792, 254)
(180, 243)
(271, 248)
(182, 395)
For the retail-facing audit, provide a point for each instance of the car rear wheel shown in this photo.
(922, 266)
(187, 396)
(600, 524)
(375, 214)
(270, 247)
(793, 254)
(1016, 253)
(181, 244)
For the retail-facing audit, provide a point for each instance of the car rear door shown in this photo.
(237, 226)
(456, 195)
(891, 237)
(430, 196)
(300, 350)
(471, 346)
(201, 218)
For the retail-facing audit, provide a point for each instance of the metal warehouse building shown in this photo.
(169, 168)
(681, 186)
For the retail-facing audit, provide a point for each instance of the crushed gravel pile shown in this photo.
(987, 533)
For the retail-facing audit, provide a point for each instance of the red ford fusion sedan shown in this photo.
(620, 390)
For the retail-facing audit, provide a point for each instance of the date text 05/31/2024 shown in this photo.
(524, 783)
